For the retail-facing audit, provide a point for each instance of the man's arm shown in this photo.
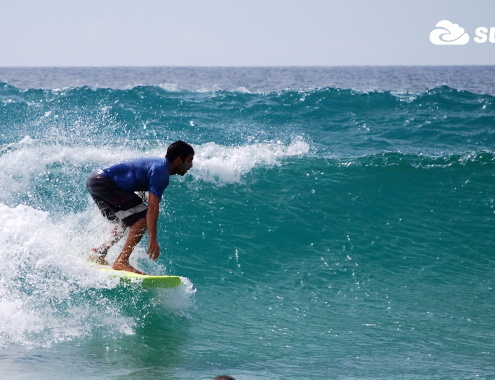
(152, 221)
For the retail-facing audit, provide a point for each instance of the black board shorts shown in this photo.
(115, 204)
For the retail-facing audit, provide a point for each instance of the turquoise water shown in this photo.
(338, 223)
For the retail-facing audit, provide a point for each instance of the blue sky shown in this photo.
(239, 32)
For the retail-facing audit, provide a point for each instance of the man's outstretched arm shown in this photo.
(152, 222)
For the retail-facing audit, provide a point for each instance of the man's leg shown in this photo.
(119, 206)
(136, 232)
(98, 254)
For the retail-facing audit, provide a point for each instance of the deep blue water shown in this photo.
(338, 223)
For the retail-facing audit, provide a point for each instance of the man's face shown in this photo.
(185, 165)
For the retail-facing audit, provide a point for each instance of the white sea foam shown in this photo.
(42, 280)
(227, 164)
(50, 293)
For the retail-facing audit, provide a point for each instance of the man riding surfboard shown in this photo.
(113, 189)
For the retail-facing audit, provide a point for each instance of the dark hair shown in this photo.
(179, 149)
(224, 377)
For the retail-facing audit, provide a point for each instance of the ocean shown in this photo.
(338, 223)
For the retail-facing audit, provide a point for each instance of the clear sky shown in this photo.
(239, 32)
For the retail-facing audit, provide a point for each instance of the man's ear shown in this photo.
(178, 161)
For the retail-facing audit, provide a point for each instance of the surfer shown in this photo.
(113, 189)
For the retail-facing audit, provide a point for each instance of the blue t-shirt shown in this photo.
(141, 174)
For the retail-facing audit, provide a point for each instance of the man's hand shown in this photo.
(153, 249)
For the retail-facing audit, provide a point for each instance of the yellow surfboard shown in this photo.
(147, 280)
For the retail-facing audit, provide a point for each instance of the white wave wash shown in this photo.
(217, 163)
(50, 293)
(38, 280)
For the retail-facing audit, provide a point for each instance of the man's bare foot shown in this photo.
(98, 260)
(97, 257)
(122, 266)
